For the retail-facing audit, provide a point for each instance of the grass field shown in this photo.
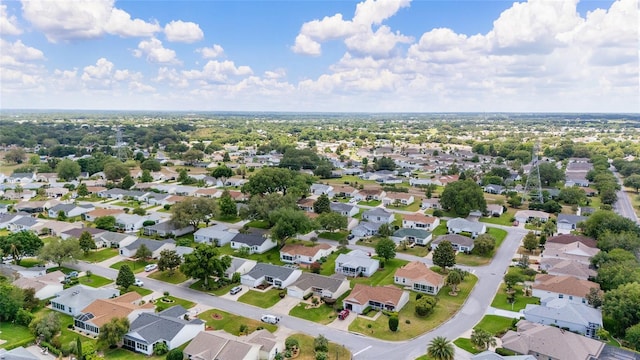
(336, 236)
(504, 219)
(264, 300)
(124, 354)
(466, 344)
(447, 307)
(417, 250)
(496, 325)
(258, 224)
(323, 314)
(140, 290)
(95, 281)
(166, 302)
(328, 267)
(136, 266)
(99, 255)
(500, 300)
(382, 276)
(30, 262)
(12, 334)
(336, 351)
(231, 323)
(176, 278)
(479, 260)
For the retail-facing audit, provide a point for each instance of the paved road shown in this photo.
(489, 278)
(623, 205)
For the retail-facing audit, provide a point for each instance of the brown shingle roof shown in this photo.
(569, 238)
(419, 218)
(564, 285)
(419, 271)
(298, 249)
(104, 310)
(105, 212)
(389, 294)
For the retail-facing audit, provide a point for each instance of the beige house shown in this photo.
(101, 311)
(45, 286)
(420, 221)
(562, 287)
(305, 255)
(377, 297)
(419, 277)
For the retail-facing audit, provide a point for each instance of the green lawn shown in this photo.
(95, 281)
(414, 206)
(504, 219)
(64, 269)
(479, 260)
(124, 354)
(359, 214)
(259, 224)
(136, 266)
(264, 300)
(220, 320)
(166, 302)
(220, 291)
(347, 179)
(228, 219)
(500, 300)
(337, 236)
(416, 250)
(176, 278)
(496, 325)
(447, 307)
(270, 257)
(440, 229)
(465, 344)
(30, 262)
(336, 351)
(99, 255)
(323, 314)
(140, 290)
(14, 334)
(328, 267)
(382, 276)
(372, 203)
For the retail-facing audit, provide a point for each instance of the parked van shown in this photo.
(270, 319)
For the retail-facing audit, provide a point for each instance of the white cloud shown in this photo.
(171, 76)
(8, 24)
(306, 46)
(211, 52)
(19, 52)
(217, 72)
(154, 52)
(83, 19)
(181, 31)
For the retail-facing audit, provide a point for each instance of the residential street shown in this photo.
(624, 206)
(489, 278)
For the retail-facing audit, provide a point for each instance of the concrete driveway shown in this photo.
(285, 305)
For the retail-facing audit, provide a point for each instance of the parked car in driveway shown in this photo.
(343, 314)
(235, 290)
(150, 267)
(138, 282)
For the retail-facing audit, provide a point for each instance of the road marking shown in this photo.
(361, 351)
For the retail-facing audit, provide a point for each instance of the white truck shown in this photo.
(270, 319)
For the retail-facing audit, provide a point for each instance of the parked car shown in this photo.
(235, 290)
(343, 314)
(150, 267)
(71, 275)
(270, 319)
(350, 236)
(138, 282)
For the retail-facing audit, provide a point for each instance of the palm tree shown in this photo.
(454, 279)
(440, 349)
(482, 339)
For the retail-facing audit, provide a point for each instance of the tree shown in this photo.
(482, 339)
(425, 305)
(632, 336)
(608, 196)
(462, 197)
(272, 180)
(594, 297)
(114, 170)
(515, 201)
(68, 169)
(484, 244)
(47, 326)
(602, 220)
(223, 173)
(573, 195)
(289, 222)
(625, 240)
(332, 221)
(633, 181)
(151, 165)
(385, 230)
(193, 211)
(192, 155)
(623, 307)
(125, 277)
(324, 171)
(385, 163)
(82, 190)
(15, 155)
(530, 241)
(169, 260)
(454, 278)
(549, 173)
(61, 251)
(11, 300)
(146, 176)
(260, 207)
(160, 348)
(79, 348)
(127, 182)
(21, 244)
(204, 262)
(322, 205)
(105, 223)
(143, 253)
(511, 279)
(226, 157)
(321, 344)
(112, 332)
(140, 211)
(444, 255)
(386, 248)
(393, 323)
(227, 205)
(175, 354)
(440, 349)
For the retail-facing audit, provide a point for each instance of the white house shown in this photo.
(525, 216)
(366, 228)
(256, 243)
(278, 276)
(305, 255)
(215, 234)
(133, 222)
(378, 215)
(393, 198)
(388, 298)
(356, 263)
(563, 313)
(101, 311)
(331, 287)
(417, 276)
(212, 345)
(45, 286)
(415, 236)
(568, 223)
(420, 221)
(240, 266)
(562, 287)
(156, 246)
(344, 209)
(459, 242)
(321, 189)
(458, 225)
(72, 300)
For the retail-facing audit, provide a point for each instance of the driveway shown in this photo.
(343, 324)
(285, 305)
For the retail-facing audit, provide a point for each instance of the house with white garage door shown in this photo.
(278, 276)
(331, 287)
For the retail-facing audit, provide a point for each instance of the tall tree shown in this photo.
(82, 190)
(21, 244)
(15, 155)
(454, 278)
(332, 221)
(203, 262)
(61, 251)
(146, 176)
(444, 255)
(169, 260)
(105, 223)
(386, 248)
(114, 170)
(623, 307)
(127, 182)
(322, 205)
(440, 349)
(143, 253)
(633, 181)
(462, 197)
(530, 241)
(125, 277)
(227, 205)
(484, 244)
(289, 222)
(223, 173)
(260, 207)
(151, 165)
(11, 300)
(68, 169)
(193, 211)
(112, 332)
(47, 326)
(602, 220)
(272, 180)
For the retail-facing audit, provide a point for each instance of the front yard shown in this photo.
(99, 255)
(220, 320)
(95, 281)
(323, 314)
(176, 278)
(166, 302)
(416, 250)
(307, 352)
(136, 266)
(336, 236)
(14, 334)
(479, 260)
(264, 300)
(500, 300)
(384, 276)
(410, 324)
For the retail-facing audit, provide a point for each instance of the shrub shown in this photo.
(407, 321)
(425, 306)
(418, 296)
(322, 355)
(175, 354)
(160, 348)
(437, 213)
(307, 296)
(282, 294)
(166, 293)
(504, 352)
(315, 300)
(52, 349)
(368, 326)
(321, 344)
(24, 317)
(393, 323)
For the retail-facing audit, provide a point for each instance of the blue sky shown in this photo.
(299, 55)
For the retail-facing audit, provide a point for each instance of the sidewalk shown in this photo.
(505, 313)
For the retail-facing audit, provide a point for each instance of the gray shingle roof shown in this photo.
(566, 311)
(250, 239)
(152, 245)
(274, 271)
(307, 280)
(163, 325)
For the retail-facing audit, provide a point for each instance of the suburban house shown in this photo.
(306, 204)
(494, 189)
(216, 234)
(565, 314)
(372, 194)
(133, 222)
(54, 227)
(549, 342)
(320, 189)
(278, 276)
(568, 223)
(22, 223)
(114, 239)
(365, 228)
(570, 238)
(257, 243)
(101, 311)
(168, 326)
(240, 266)
(209, 192)
(458, 225)
(417, 276)
(345, 191)
(420, 221)
(305, 255)
(75, 233)
(378, 215)
(344, 209)
(330, 287)
(524, 216)
(99, 212)
(217, 345)
(56, 192)
(69, 210)
(490, 355)
(433, 203)
(494, 210)
(413, 236)
(72, 300)
(562, 267)
(561, 287)
(45, 286)
(397, 198)
(166, 229)
(568, 259)
(18, 353)
(156, 246)
(356, 263)
(459, 242)
(387, 297)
